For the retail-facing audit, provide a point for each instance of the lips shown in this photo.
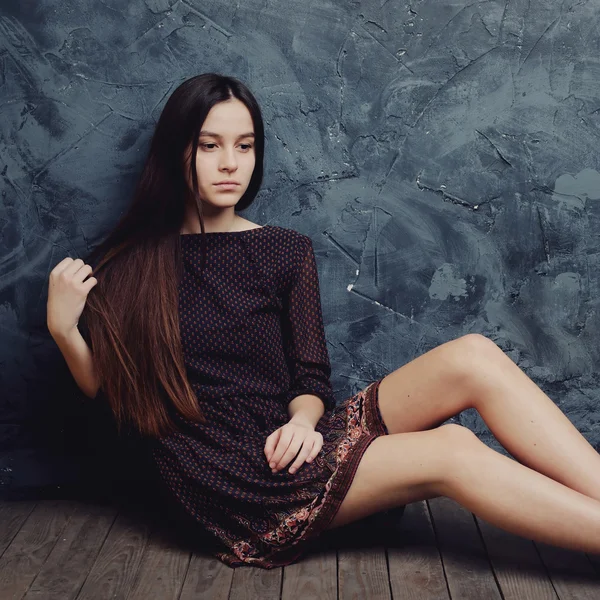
(227, 183)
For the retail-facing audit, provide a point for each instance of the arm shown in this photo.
(306, 408)
(79, 360)
(67, 295)
(304, 338)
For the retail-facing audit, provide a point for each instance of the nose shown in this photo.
(228, 160)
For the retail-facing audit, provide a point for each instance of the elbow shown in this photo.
(92, 393)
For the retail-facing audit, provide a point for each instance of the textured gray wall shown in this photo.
(442, 156)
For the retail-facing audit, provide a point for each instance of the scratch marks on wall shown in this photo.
(442, 156)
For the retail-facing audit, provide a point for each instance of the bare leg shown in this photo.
(531, 427)
(451, 461)
(472, 372)
(522, 501)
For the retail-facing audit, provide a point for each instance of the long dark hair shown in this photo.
(131, 316)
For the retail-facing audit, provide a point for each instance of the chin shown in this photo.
(223, 202)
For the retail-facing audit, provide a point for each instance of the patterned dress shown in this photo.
(253, 339)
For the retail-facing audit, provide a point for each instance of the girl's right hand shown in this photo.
(67, 294)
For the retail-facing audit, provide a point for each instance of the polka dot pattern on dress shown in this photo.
(253, 339)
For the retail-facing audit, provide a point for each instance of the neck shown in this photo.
(225, 220)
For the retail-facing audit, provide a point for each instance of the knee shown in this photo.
(454, 446)
(456, 431)
(474, 357)
(457, 439)
(474, 347)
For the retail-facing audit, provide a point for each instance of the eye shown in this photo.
(206, 145)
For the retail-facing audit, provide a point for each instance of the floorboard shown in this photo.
(79, 550)
(249, 583)
(314, 578)
(416, 569)
(207, 578)
(30, 547)
(467, 567)
(517, 565)
(162, 570)
(113, 573)
(72, 557)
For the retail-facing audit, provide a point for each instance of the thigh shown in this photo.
(433, 387)
(401, 468)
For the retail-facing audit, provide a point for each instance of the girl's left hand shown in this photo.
(283, 444)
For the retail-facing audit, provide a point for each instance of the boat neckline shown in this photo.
(225, 232)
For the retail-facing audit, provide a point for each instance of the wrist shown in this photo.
(301, 419)
(306, 409)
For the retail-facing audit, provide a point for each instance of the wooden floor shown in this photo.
(66, 549)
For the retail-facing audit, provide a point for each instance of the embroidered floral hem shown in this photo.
(361, 418)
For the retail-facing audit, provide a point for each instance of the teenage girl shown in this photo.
(204, 333)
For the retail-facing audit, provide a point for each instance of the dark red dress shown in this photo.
(253, 339)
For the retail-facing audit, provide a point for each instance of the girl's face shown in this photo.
(225, 153)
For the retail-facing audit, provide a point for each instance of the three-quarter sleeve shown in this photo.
(304, 333)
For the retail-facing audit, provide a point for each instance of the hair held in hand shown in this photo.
(131, 316)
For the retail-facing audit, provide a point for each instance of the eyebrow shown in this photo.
(216, 135)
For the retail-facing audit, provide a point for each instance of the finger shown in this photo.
(302, 456)
(282, 446)
(271, 443)
(61, 266)
(89, 284)
(315, 449)
(290, 453)
(82, 273)
(73, 268)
